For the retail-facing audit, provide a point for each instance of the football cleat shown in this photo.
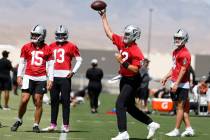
(152, 127)
(122, 136)
(173, 133)
(189, 132)
(16, 125)
(36, 129)
(65, 129)
(52, 127)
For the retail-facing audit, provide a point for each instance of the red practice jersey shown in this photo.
(63, 55)
(181, 58)
(36, 58)
(132, 54)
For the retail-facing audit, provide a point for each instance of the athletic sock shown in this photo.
(36, 124)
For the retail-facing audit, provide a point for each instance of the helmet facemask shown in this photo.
(61, 34)
(38, 34)
(131, 33)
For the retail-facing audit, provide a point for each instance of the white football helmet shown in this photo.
(180, 37)
(38, 34)
(131, 33)
(61, 34)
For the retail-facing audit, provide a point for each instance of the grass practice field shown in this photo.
(87, 126)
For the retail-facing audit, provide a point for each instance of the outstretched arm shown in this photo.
(106, 26)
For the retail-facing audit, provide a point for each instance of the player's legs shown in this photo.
(65, 100)
(180, 113)
(136, 113)
(54, 99)
(186, 114)
(125, 91)
(188, 129)
(23, 104)
(54, 96)
(39, 90)
(121, 107)
(179, 116)
(142, 117)
(182, 107)
(38, 107)
(181, 101)
(22, 109)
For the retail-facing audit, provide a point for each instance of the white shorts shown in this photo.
(208, 95)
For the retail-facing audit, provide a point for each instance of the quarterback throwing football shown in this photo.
(129, 58)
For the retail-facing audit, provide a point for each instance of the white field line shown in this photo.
(63, 136)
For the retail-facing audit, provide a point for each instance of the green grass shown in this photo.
(87, 126)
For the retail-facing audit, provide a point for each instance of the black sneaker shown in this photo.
(36, 129)
(1, 107)
(16, 125)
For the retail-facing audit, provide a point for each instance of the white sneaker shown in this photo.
(122, 136)
(52, 127)
(189, 132)
(152, 127)
(6, 108)
(173, 133)
(65, 128)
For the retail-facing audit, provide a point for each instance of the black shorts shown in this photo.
(5, 84)
(180, 94)
(143, 93)
(38, 87)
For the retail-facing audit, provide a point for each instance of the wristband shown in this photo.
(125, 64)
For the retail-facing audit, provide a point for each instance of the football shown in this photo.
(98, 5)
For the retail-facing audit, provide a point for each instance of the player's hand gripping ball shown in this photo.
(98, 5)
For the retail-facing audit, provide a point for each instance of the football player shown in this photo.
(64, 52)
(32, 75)
(179, 75)
(129, 58)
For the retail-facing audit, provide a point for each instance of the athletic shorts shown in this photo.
(208, 95)
(180, 94)
(38, 87)
(5, 84)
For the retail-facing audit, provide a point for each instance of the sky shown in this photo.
(85, 28)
